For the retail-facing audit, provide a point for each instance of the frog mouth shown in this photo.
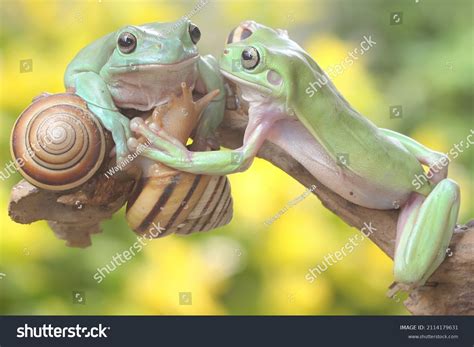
(245, 82)
(178, 66)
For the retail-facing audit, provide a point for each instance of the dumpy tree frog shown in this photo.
(140, 67)
(371, 167)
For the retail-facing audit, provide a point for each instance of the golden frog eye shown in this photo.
(250, 58)
(127, 42)
(194, 33)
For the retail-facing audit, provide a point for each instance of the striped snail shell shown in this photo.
(57, 143)
(182, 203)
(167, 201)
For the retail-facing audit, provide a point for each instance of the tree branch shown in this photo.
(450, 290)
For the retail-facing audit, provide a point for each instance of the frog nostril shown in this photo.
(226, 51)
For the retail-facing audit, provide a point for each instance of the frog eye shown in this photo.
(250, 58)
(127, 42)
(194, 33)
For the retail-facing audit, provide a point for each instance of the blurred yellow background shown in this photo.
(424, 64)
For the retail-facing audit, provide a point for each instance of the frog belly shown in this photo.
(291, 136)
(146, 86)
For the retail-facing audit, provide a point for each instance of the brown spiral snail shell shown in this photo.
(172, 200)
(57, 142)
(59, 145)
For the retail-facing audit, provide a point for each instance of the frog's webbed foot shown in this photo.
(120, 129)
(179, 115)
(395, 288)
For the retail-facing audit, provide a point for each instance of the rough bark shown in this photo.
(450, 290)
(73, 216)
(77, 214)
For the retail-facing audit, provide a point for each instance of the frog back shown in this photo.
(350, 139)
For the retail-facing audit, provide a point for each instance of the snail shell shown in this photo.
(176, 201)
(57, 142)
(181, 203)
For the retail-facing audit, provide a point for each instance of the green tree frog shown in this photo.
(368, 166)
(140, 67)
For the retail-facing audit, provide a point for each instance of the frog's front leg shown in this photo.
(425, 225)
(210, 79)
(94, 91)
(220, 162)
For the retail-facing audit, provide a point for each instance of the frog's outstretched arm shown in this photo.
(82, 74)
(211, 78)
(211, 163)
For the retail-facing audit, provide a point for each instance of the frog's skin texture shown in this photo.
(378, 166)
(139, 67)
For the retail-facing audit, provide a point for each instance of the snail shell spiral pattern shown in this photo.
(57, 143)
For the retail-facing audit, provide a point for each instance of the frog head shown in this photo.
(263, 62)
(150, 61)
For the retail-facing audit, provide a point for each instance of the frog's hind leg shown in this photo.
(425, 225)
(424, 229)
(436, 161)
